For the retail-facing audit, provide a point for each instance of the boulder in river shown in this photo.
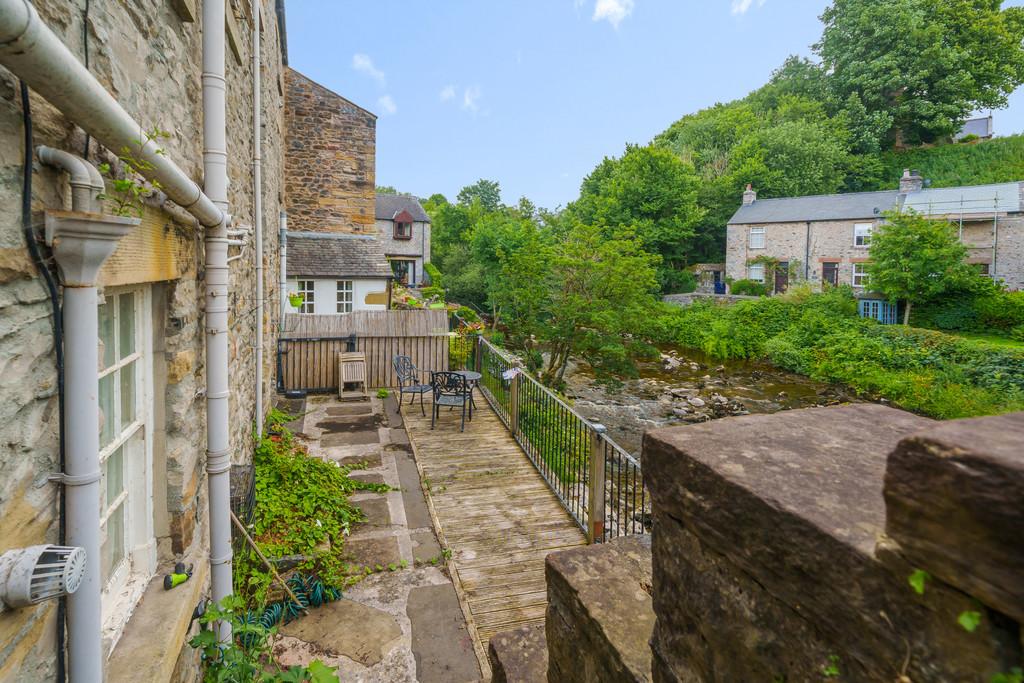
(697, 402)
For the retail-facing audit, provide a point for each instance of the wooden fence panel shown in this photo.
(312, 364)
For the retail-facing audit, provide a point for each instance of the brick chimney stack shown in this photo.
(911, 182)
(749, 196)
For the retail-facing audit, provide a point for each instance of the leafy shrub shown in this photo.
(434, 273)
(249, 657)
(679, 282)
(748, 288)
(986, 307)
(432, 291)
(302, 508)
(467, 314)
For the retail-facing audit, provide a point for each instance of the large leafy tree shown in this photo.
(914, 259)
(924, 65)
(652, 193)
(599, 292)
(487, 193)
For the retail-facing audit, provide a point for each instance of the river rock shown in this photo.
(696, 402)
(680, 392)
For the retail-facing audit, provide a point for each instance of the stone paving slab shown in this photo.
(368, 477)
(345, 627)
(376, 511)
(349, 424)
(425, 547)
(348, 439)
(441, 643)
(357, 409)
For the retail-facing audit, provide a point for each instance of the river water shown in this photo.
(685, 386)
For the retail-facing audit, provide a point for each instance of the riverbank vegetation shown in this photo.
(821, 336)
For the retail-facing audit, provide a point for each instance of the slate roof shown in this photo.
(313, 254)
(823, 207)
(390, 204)
(933, 201)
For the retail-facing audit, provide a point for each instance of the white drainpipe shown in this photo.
(37, 56)
(80, 247)
(257, 183)
(30, 50)
(283, 241)
(218, 438)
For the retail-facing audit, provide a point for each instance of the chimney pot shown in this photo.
(911, 182)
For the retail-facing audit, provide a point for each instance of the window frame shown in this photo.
(126, 581)
(762, 233)
(835, 269)
(339, 303)
(308, 306)
(861, 275)
(750, 272)
(864, 237)
(399, 233)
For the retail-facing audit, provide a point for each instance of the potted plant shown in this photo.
(296, 299)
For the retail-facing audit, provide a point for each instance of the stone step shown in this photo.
(519, 655)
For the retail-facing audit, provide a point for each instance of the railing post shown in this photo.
(513, 405)
(478, 356)
(595, 485)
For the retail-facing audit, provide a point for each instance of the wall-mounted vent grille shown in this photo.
(41, 572)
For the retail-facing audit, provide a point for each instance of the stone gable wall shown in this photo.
(149, 58)
(330, 165)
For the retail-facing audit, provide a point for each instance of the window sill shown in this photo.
(158, 629)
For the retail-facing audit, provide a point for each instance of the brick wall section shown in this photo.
(330, 163)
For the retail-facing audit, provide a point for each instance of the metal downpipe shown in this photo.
(257, 182)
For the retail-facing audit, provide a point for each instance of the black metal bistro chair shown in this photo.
(409, 381)
(450, 389)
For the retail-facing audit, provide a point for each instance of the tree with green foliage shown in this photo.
(387, 189)
(916, 259)
(486, 192)
(601, 291)
(650, 192)
(925, 65)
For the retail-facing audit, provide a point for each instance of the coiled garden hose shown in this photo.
(310, 591)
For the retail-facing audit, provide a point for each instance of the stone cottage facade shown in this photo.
(151, 314)
(826, 238)
(403, 228)
(337, 273)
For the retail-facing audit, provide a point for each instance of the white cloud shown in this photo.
(387, 105)
(471, 98)
(447, 93)
(363, 64)
(613, 11)
(741, 6)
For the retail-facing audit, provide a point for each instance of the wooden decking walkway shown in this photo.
(494, 512)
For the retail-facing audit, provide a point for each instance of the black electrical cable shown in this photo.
(58, 340)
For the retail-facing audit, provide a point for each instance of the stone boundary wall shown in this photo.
(783, 546)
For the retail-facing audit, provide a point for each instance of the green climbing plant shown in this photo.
(248, 658)
(128, 190)
(302, 510)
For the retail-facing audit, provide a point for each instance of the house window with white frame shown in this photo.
(307, 288)
(755, 272)
(862, 234)
(128, 548)
(756, 238)
(344, 300)
(860, 274)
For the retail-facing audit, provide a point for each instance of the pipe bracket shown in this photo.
(221, 560)
(75, 479)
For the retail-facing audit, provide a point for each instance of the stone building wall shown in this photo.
(833, 241)
(330, 164)
(147, 53)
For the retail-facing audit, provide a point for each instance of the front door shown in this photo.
(830, 273)
(404, 270)
(781, 277)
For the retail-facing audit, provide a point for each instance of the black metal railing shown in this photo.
(598, 483)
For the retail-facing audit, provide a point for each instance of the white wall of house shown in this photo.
(417, 248)
(325, 294)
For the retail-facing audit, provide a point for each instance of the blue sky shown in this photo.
(535, 93)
